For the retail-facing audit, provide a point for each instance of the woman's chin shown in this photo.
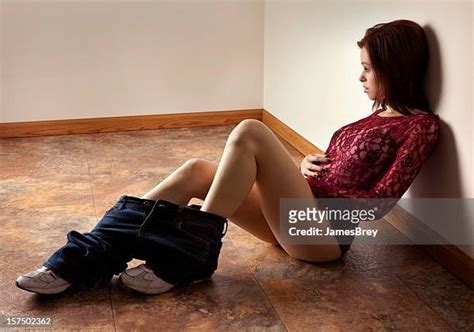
(368, 94)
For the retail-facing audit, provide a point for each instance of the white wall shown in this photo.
(312, 66)
(83, 59)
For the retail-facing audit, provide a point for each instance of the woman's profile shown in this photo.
(377, 156)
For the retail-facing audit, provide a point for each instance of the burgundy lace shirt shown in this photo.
(376, 157)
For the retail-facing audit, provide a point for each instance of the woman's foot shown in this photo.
(142, 279)
(42, 281)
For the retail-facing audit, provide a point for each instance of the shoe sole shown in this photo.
(150, 292)
(43, 291)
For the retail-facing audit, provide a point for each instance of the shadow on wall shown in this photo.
(440, 176)
(434, 76)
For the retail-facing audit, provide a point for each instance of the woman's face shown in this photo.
(368, 75)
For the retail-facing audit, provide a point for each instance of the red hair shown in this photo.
(399, 54)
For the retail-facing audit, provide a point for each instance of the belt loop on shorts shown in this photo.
(179, 214)
(226, 227)
(120, 206)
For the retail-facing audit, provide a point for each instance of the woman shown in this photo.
(375, 157)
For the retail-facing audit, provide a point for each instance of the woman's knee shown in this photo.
(195, 166)
(197, 175)
(246, 132)
(192, 163)
(248, 125)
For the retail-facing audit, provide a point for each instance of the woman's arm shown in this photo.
(416, 148)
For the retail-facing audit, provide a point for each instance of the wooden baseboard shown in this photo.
(449, 256)
(125, 123)
(292, 137)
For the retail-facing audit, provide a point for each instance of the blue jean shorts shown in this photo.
(177, 246)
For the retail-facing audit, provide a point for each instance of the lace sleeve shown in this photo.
(414, 150)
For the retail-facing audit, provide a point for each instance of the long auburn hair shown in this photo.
(399, 54)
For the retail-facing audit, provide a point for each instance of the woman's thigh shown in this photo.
(249, 215)
(279, 177)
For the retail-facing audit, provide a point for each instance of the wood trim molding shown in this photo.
(449, 256)
(292, 137)
(125, 123)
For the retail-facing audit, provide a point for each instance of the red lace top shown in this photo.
(376, 157)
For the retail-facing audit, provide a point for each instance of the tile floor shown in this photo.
(50, 185)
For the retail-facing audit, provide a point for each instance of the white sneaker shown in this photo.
(42, 281)
(142, 279)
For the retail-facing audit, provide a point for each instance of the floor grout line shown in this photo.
(109, 293)
(424, 302)
(269, 301)
(260, 286)
(90, 178)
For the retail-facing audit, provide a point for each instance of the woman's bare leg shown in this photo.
(181, 185)
(253, 154)
(193, 180)
(258, 213)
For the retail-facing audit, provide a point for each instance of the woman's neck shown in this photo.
(391, 111)
(413, 111)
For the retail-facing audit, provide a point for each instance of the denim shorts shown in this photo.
(178, 244)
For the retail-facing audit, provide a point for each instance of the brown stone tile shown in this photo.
(48, 156)
(162, 150)
(242, 237)
(230, 266)
(235, 305)
(132, 163)
(384, 257)
(86, 316)
(109, 186)
(269, 262)
(350, 304)
(39, 192)
(442, 292)
(376, 259)
(71, 308)
(41, 229)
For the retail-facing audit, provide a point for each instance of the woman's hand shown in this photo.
(309, 166)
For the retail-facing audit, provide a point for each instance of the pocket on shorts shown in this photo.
(200, 233)
(126, 213)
